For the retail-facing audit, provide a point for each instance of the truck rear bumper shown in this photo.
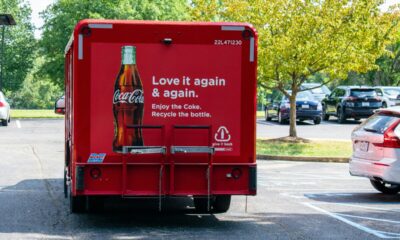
(154, 179)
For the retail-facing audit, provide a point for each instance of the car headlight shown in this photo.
(349, 104)
(319, 107)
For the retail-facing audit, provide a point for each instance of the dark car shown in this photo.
(308, 108)
(351, 102)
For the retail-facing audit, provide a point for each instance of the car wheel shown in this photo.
(267, 117)
(317, 121)
(280, 119)
(4, 122)
(325, 116)
(340, 116)
(385, 188)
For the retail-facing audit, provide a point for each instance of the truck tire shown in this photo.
(95, 204)
(381, 187)
(200, 204)
(77, 204)
(222, 203)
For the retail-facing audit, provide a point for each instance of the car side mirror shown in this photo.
(327, 95)
(59, 106)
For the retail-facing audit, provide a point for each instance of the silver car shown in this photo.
(4, 110)
(390, 96)
(376, 150)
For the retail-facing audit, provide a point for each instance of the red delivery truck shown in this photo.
(160, 109)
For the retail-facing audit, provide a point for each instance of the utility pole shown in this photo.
(5, 20)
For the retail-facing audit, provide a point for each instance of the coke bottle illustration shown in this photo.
(128, 102)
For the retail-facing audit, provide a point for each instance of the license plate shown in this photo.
(306, 106)
(363, 146)
(365, 104)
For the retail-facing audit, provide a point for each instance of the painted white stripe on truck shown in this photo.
(80, 47)
(101, 25)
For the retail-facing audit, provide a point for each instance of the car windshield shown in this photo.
(302, 96)
(361, 93)
(378, 123)
(392, 91)
(319, 90)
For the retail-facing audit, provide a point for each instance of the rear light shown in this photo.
(236, 173)
(391, 137)
(350, 99)
(382, 164)
(95, 173)
(2, 104)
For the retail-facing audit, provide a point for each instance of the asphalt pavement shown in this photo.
(325, 130)
(296, 200)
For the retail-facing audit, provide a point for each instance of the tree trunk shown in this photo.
(292, 130)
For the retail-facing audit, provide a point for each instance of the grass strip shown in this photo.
(304, 148)
(34, 113)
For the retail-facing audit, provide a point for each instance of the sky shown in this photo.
(40, 5)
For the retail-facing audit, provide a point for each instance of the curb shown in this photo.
(303, 159)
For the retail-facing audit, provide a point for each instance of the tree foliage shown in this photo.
(19, 44)
(61, 17)
(299, 38)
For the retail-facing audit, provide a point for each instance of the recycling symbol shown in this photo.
(222, 135)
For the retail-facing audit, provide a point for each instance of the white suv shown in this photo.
(376, 150)
(4, 110)
(389, 95)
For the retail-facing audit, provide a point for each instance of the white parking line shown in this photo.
(369, 218)
(351, 223)
(18, 123)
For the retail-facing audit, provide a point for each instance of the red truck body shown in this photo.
(199, 86)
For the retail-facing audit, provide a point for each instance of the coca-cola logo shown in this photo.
(135, 96)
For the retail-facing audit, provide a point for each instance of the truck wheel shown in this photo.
(222, 203)
(4, 122)
(340, 116)
(317, 121)
(325, 116)
(77, 204)
(200, 203)
(95, 204)
(385, 188)
(65, 184)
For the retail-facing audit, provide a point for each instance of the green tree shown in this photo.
(19, 44)
(61, 17)
(299, 38)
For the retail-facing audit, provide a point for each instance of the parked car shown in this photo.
(389, 95)
(351, 102)
(376, 150)
(4, 110)
(59, 105)
(319, 92)
(308, 108)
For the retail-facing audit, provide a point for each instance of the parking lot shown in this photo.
(325, 130)
(296, 200)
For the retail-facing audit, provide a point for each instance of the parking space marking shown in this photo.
(367, 207)
(18, 123)
(379, 234)
(369, 218)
